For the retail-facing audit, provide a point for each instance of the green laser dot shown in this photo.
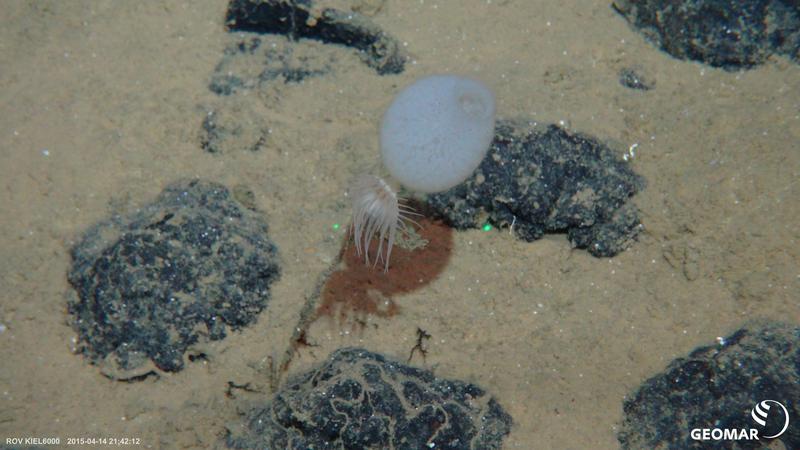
(487, 227)
(336, 226)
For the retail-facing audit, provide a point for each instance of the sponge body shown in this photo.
(437, 131)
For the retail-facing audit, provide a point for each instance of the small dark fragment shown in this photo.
(717, 387)
(296, 20)
(635, 78)
(728, 34)
(422, 337)
(361, 400)
(548, 180)
(187, 267)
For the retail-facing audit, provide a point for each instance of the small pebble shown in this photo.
(635, 78)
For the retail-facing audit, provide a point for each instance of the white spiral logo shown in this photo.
(760, 412)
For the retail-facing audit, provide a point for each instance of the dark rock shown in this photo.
(721, 33)
(187, 267)
(635, 78)
(362, 400)
(548, 180)
(717, 387)
(296, 20)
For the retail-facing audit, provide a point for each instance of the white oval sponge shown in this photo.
(437, 131)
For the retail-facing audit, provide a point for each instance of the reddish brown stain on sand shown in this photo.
(359, 290)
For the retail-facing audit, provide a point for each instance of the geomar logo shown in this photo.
(762, 413)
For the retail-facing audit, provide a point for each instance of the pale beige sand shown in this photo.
(114, 93)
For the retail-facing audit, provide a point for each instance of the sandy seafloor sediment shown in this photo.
(101, 105)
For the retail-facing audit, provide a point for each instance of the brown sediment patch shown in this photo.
(360, 290)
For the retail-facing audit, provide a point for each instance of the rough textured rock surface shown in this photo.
(547, 180)
(361, 400)
(717, 387)
(186, 267)
(720, 33)
(305, 19)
